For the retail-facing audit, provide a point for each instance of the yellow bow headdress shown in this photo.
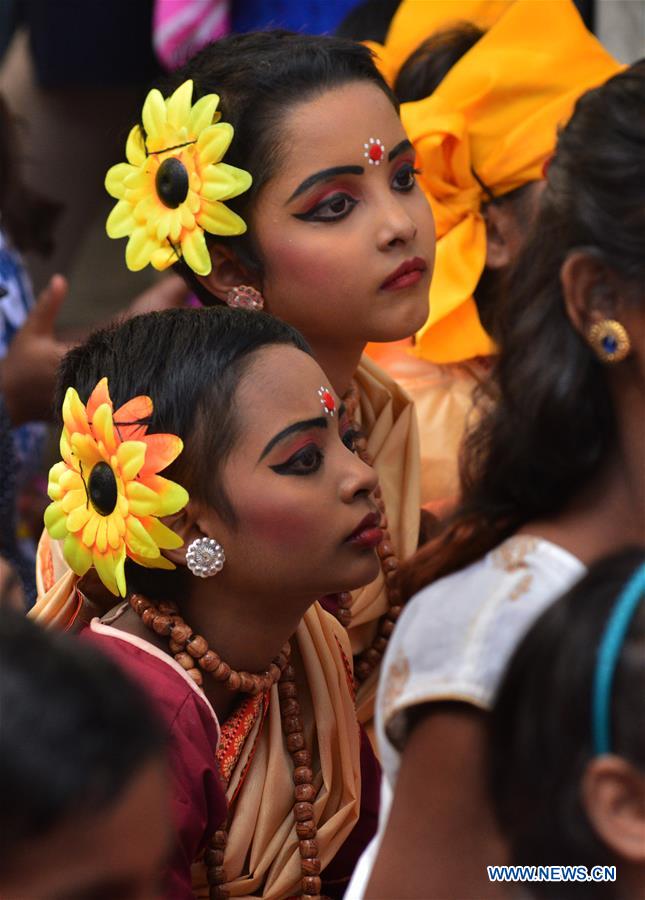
(107, 494)
(171, 189)
(492, 121)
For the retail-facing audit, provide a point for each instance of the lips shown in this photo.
(368, 533)
(408, 274)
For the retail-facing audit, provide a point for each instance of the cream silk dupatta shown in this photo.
(263, 847)
(387, 418)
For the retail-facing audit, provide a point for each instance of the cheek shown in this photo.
(319, 264)
(276, 521)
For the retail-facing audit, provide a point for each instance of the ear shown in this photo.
(503, 235)
(590, 290)
(613, 796)
(227, 272)
(194, 521)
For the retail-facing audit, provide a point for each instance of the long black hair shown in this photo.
(541, 724)
(553, 424)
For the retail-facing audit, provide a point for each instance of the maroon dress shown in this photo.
(198, 802)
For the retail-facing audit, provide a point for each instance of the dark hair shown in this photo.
(75, 731)
(425, 68)
(259, 77)
(368, 21)
(541, 724)
(27, 216)
(553, 422)
(190, 361)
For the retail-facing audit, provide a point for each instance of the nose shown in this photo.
(358, 478)
(395, 226)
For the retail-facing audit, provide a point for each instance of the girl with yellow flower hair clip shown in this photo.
(339, 243)
(208, 494)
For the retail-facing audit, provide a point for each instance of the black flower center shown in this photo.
(102, 489)
(171, 182)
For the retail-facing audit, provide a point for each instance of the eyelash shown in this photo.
(314, 214)
(290, 467)
(349, 437)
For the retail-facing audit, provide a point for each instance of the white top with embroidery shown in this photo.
(453, 642)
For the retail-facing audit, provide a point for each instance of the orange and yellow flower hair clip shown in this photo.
(173, 186)
(106, 491)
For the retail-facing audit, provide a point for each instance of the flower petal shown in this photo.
(138, 540)
(70, 480)
(178, 105)
(154, 117)
(213, 143)
(74, 415)
(78, 518)
(101, 536)
(221, 182)
(54, 488)
(87, 451)
(113, 536)
(202, 115)
(127, 418)
(89, 532)
(135, 148)
(56, 521)
(219, 219)
(131, 457)
(115, 180)
(77, 555)
(159, 562)
(99, 395)
(171, 497)
(120, 223)
(195, 252)
(142, 500)
(164, 537)
(72, 499)
(103, 428)
(139, 249)
(106, 565)
(161, 450)
(163, 258)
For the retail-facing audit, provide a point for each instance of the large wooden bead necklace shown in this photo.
(190, 649)
(368, 660)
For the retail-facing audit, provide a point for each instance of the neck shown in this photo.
(240, 629)
(338, 361)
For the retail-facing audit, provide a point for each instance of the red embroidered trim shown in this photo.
(348, 671)
(234, 733)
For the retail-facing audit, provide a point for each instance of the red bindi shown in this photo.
(327, 400)
(374, 151)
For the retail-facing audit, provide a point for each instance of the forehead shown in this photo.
(279, 387)
(332, 128)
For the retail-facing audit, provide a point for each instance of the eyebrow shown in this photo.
(400, 147)
(325, 175)
(320, 422)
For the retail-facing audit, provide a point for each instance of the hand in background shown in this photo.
(169, 292)
(28, 371)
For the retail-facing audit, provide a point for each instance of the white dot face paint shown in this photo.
(374, 151)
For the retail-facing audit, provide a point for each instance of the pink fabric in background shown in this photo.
(182, 27)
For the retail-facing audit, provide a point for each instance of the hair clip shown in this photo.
(171, 189)
(327, 400)
(374, 151)
(107, 494)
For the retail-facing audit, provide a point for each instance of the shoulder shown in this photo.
(454, 638)
(176, 698)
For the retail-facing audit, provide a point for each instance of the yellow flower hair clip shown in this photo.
(171, 189)
(107, 493)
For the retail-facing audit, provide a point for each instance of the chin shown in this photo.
(403, 319)
(363, 573)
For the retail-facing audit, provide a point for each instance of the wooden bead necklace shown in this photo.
(368, 660)
(188, 649)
